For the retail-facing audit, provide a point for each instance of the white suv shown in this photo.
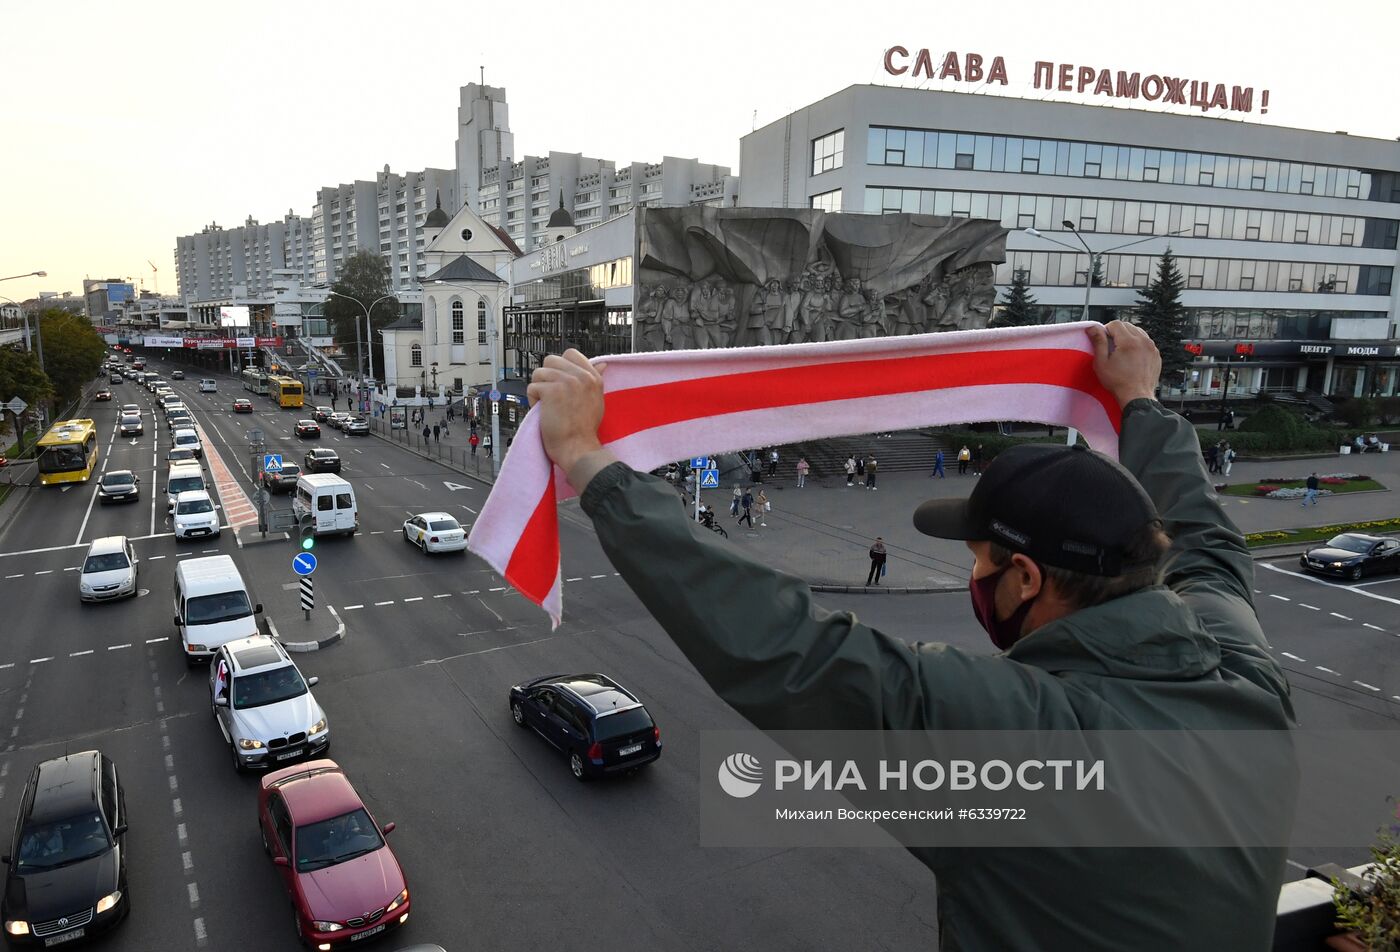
(187, 437)
(264, 706)
(195, 515)
(208, 385)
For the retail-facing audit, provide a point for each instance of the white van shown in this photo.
(212, 606)
(208, 385)
(330, 499)
(182, 477)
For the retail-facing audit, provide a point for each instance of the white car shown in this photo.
(264, 706)
(195, 516)
(208, 386)
(188, 438)
(435, 532)
(109, 570)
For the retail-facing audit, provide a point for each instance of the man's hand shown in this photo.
(1126, 360)
(567, 393)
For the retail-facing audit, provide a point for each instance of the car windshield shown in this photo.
(623, 722)
(184, 439)
(213, 609)
(443, 525)
(106, 562)
(1349, 543)
(185, 484)
(180, 454)
(336, 840)
(290, 469)
(324, 454)
(62, 842)
(267, 687)
(131, 420)
(194, 505)
(118, 479)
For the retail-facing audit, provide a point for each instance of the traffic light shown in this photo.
(306, 527)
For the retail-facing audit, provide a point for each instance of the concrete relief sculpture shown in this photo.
(723, 277)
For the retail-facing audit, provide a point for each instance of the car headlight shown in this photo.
(86, 588)
(17, 927)
(402, 898)
(1337, 565)
(321, 926)
(108, 901)
(318, 726)
(247, 743)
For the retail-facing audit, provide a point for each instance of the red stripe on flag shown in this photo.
(534, 561)
(642, 408)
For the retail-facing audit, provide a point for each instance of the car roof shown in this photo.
(255, 653)
(1364, 536)
(182, 430)
(312, 422)
(318, 795)
(435, 515)
(190, 495)
(598, 692)
(117, 472)
(107, 544)
(322, 451)
(186, 467)
(65, 785)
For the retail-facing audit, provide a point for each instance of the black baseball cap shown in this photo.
(1064, 506)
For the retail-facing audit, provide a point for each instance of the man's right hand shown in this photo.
(1126, 361)
(567, 393)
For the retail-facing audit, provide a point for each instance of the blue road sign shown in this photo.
(303, 563)
(494, 395)
(272, 462)
(709, 479)
(311, 373)
(698, 462)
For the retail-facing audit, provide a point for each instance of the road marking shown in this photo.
(45, 572)
(475, 591)
(20, 575)
(151, 641)
(418, 484)
(351, 608)
(502, 589)
(87, 515)
(417, 599)
(385, 465)
(200, 936)
(118, 647)
(1317, 581)
(154, 558)
(1313, 607)
(79, 654)
(1328, 670)
(1280, 597)
(1336, 615)
(1369, 687)
(1367, 624)
(177, 806)
(598, 576)
(72, 568)
(52, 548)
(10, 665)
(576, 578)
(447, 595)
(185, 859)
(491, 610)
(376, 532)
(1295, 657)
(40, 660)
(389, 602)
(194, 893)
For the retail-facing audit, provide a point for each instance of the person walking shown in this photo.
(850, 471)
(486, 445)
(938, 466)
(437, 433)
(333, 402)
(427, 432)
(871, 467)
(773, 461)
(1213, 458)
(443, 423)
(964, 457)
(746, 501)
(977, 460)
(1228, 460)
(761, 500)
(1311, 495)
(473, 441)
(734, 501)
(449, 411)
(877, 562)
(803, 468)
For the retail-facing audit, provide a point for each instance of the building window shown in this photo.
(828, 201)
(458, 330)
(1030, 164)
(481, 323)
(828, 152)
(416, 355)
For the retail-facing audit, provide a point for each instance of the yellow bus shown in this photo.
(68, 452)
(285, 391)
(255, 381)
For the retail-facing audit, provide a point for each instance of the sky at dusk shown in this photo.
(128, 124)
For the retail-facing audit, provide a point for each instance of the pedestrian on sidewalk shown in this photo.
(333, 401)
(747, 502)
(443, 423)
(437, 433)
(449, 411)
(1228, 460)
(877, 562)
(761, 500)
(870, 470)
(977, 460)
(938, 466)
(1213, 458)
(427, 432)
(860, 466)
(486, 444)
(773, 461)
(474, 441)
(850, 471)
(1311, 496)
(964, 457)
(803, 468)
(734, 501)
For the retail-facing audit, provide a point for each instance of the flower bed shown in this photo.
(1294, 487)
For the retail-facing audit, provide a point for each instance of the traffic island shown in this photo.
(307, 630)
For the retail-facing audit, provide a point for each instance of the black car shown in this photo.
(283, 482)
(177, 375)
(67, 860)
(599, 724)
(321, 461)
(1352, 555)
(305, 428)
(119, 485)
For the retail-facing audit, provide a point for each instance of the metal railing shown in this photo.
(462, 459)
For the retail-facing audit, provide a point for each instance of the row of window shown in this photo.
(831, 201)
(920, 148)
(1243, 323)
(459, 323)
(1066, 269)
(1120, 217)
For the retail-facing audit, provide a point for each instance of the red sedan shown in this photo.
(344, 881)
(242, 406)
(305, 428)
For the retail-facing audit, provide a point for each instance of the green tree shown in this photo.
(1162, 315)
(21, 377)
(365, 278)
(1019, 308)
(73, 351)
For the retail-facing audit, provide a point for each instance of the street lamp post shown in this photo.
(491, 344)
(28, 274)
(369, 332)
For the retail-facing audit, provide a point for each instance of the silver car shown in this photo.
(264, 706)
(110, 570)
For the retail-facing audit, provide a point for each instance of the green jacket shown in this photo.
(1186, 655)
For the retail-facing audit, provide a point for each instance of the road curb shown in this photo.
(257, 537)
(304, 646)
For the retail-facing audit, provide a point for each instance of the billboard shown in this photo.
(119, 293)
(233, 317)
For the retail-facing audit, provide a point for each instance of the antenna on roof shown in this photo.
(483, 75)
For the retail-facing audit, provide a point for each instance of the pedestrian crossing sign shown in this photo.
(709, 479)
(272, 462)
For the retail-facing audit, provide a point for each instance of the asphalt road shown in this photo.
(499, 843)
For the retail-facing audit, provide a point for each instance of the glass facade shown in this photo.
(828, 152)
(1066, 269)
(567, 310)
(1121, 217)
(1244, 323)
(936, 149)
(828, 201)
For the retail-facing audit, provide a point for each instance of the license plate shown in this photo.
(367, 933)
(624, 751)
(68, 936)
(288, 755)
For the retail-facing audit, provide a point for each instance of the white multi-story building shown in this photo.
(1286, 238)
(215, 262)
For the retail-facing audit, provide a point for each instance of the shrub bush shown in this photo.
(1357, 412)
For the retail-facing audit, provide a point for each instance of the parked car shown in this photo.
(337, 420)
(284, 481)
(242, 405)
(307, 428)
(66, 867)
(435, 532)
(264, 706)
(355, 426)
(102, 395)
(110, 570)
(321, 460)
(599, 725)
(344, 881)
(320, 414)
(1353, 555)
(119, 485)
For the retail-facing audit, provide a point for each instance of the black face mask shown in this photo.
(1004, 634)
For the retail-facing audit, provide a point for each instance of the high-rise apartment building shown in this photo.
(212, 264)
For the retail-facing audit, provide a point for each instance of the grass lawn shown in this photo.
(1347, 486)
(1319, 533)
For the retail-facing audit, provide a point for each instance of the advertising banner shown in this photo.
(233, 316)
(149, 341)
